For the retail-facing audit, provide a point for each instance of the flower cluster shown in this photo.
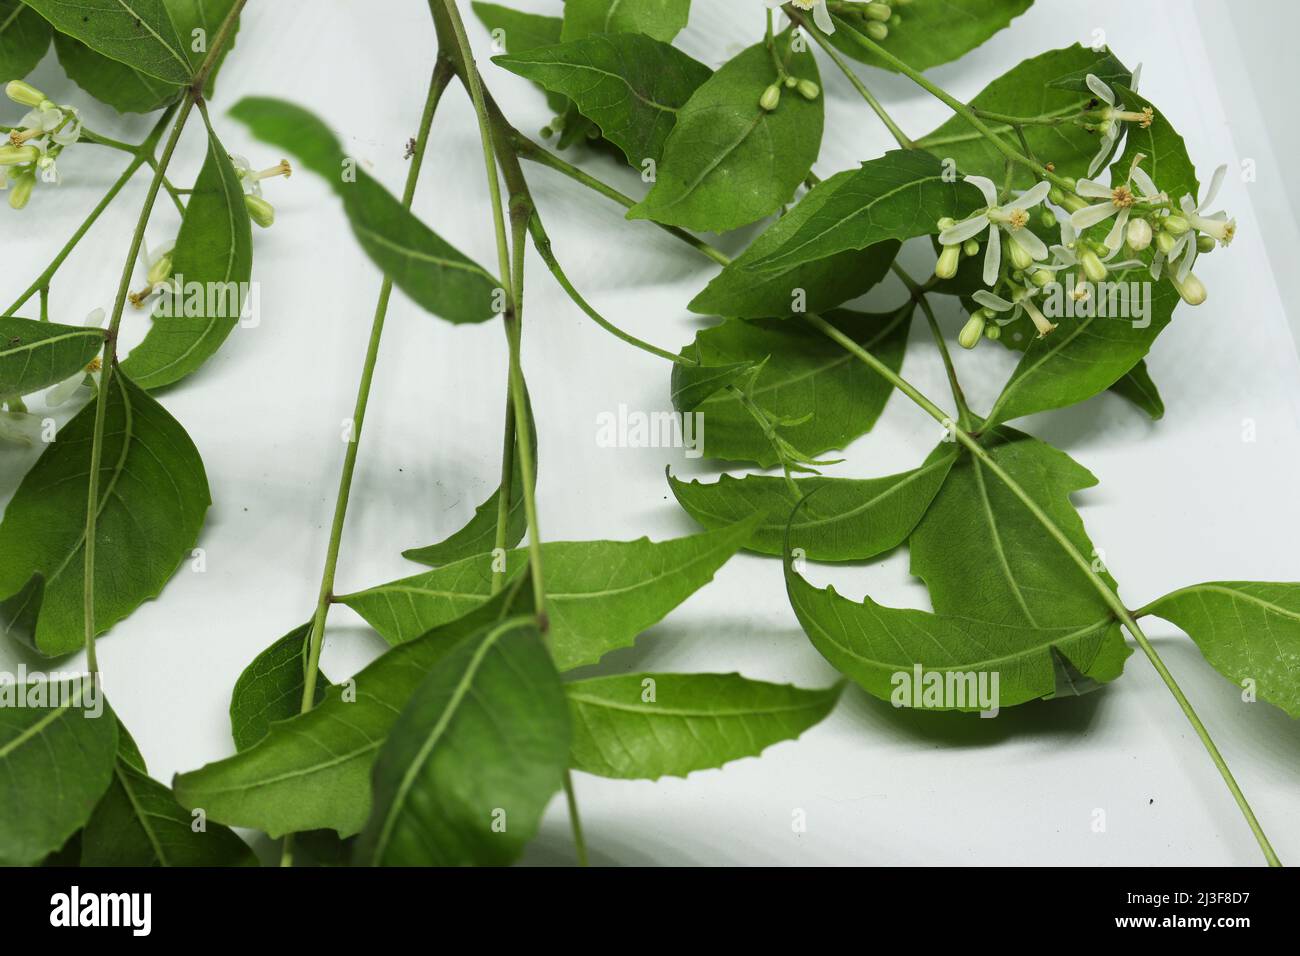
(35, 144)
(1140, 215)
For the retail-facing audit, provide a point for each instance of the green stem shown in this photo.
(45, 303)
(1107, 594)
(543, 243)
(504, 502)
(526, 148)
(918, 295)
(579, 841)
(876, 106)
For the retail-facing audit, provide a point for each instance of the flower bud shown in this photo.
(1165, 242)
(18, 155)
(23, 93)
(895, 21)
(1047, 218)
(1020, 257)
(809, 90)
(1138, 234)
(261, 211)
(972, 331)
(971, 247)
(1191, 289)
(791, 82)
(993, 332)
(1042, 277)
(161, 270)
(1176, 225)
(1205, 243)
(947, 222)
(949, 258)
(1092, 265)
(876, 30)
(770, 98)
(877, 11)
(20, 190)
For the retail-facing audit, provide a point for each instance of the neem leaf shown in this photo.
(693, 384)
(153, 496)
(521, 32)
(36, 354)
(805, 374)
(729, 162)
(1136, 385)
(139, 823)
(130, 91)
(138, 33)
(843, 519)
(661, 19)
(418, 260)
(24, 38)
(475, 757)
(478, 536)
(742, 291)
(933, 31)
(1247, 630)
(58, 743)
(212, 263)
(630, 85)
(891, 650)
(271, 687)
(1027, 90)
(312, 772)
(647, 726)
(600, 595)
(900, 195)
(983, 555)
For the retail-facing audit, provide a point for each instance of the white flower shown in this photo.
(1011, 218)
(157, 271)
(1119, 202)
(1024, 303)
(60, 393)
(1109, 128)
(821, 15)
(251, 178)
(1217, 225)
(70, 131)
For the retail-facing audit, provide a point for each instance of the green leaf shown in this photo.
(1136, 385)
(312, 772)
(742, 291)
(693, 384)
(647, 726)
(153, 496)
(56, 759)
(138, 33)
(130, 91)
(271, 688)
(479, 535)
(420, 263)
(843, 519)
(983, 555)
(900, 195)
(933, 31)
(630, 85)
(728, 162)
(1028, 90)
(520, 33)
(1247, 630)
(24, 38)
(213, 259)
(661, 19)
(600, 595)
(473, 760)
(806, 373)
(882, 649)
(34, 354)
(139, 823)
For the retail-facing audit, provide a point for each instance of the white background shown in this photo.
(1180, 501)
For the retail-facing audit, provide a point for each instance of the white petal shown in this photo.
(822, 17)
(1030, 243)
(1091, 215)
(1185, 240)
(1137, 75)
(1157, 264)
(1145, 184)
(1185, 267)
(963, 231)
(1115, 238)
(992, 257)
(1093, 189)
(1188, 205)
(985, 186)
(64, 390)
(1032, 197)
(1107, 144)
(19, 428)
(987, 299)
(1068, 233)
(95, 319)
(1215, 182)
(1101, 89)
(1064, 257)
